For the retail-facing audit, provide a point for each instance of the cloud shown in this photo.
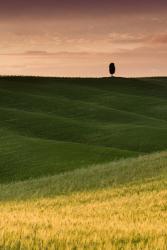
(36, 53)
(159, 39)
(145, 60)
(126, 38)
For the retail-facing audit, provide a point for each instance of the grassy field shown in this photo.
(120, 205)
(83, 163)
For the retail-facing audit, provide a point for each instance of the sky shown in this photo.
(80, 38)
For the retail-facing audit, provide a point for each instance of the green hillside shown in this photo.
(143, 170)
(54, 125)
(83, 163)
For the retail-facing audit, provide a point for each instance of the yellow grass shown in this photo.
(127, 216)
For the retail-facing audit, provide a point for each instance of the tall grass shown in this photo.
(120, 205)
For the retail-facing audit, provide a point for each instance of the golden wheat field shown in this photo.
(98, 210)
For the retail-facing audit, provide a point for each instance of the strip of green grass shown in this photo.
(116, 174)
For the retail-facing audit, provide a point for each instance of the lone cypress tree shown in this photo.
(112, 68)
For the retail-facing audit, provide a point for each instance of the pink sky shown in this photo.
(76, 38)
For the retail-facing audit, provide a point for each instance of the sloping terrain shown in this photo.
(121, 205)
(53, 125)
(83, 163)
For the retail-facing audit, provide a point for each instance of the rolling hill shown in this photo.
(83, 163)
(89, 121)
